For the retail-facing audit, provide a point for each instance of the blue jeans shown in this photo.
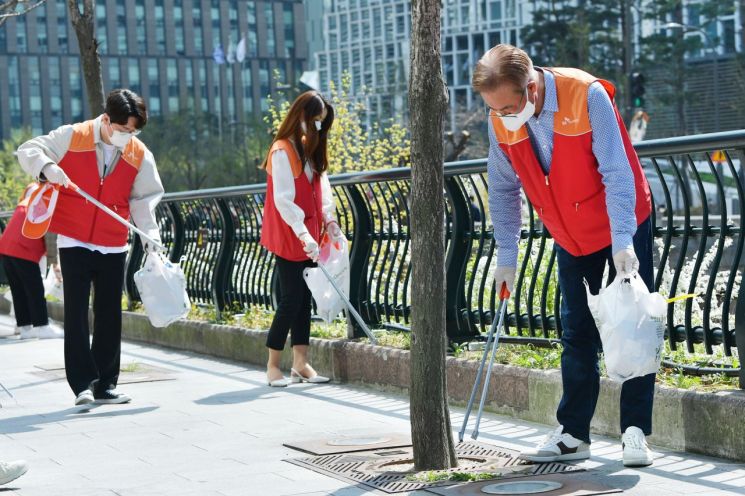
(580, 372)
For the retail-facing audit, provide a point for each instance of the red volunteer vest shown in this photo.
(276, 235)
(13, 243)
(570, 200)
(74, 216)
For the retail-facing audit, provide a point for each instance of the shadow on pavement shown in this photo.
(30, 423)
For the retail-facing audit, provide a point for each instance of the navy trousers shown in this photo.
(580, 371)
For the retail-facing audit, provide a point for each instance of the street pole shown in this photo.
(715, 53)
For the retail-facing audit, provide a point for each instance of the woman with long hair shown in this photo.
(299, 206)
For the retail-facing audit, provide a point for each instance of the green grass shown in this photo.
(132, 367)
(439, 476)
(527, 356)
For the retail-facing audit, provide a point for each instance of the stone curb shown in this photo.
(699, 422)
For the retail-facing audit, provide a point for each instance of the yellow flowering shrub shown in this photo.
(351, 147)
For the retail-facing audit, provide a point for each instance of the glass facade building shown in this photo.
(162, 49)
(370, 39)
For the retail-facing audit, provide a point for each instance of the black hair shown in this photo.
(121, 104)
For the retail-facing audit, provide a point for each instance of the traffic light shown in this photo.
(637, 89)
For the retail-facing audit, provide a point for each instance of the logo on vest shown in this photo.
(567, 121)
(129, 155)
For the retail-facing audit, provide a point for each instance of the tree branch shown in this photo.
(72, 7)
(11, 5)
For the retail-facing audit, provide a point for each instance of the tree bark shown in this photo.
(85, 29)
(431, 433)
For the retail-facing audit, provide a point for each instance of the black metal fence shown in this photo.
(697, 185)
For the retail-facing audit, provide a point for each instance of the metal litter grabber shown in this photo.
(114, 215)
(496, 327)
(348, 303)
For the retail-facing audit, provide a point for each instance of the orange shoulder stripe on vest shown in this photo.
(295, 165)
(572, 118)
(83, 139)
(134, 153)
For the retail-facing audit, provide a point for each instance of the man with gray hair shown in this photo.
(556, 133)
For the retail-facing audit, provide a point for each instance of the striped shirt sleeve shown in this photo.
(614, 167)
(504, 203)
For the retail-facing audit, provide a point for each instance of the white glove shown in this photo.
(625, 261)
(505, 275)
(55, 174)
(332, 227)
(310, 246)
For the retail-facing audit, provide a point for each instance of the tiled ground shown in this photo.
(217, 429)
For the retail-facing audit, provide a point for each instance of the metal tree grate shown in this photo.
(374, 468)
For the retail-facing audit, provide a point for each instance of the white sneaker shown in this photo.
(21, 329)
(28, 332)
(84, 397)
(49, 331)
(10, 471)
(557, 446)
(636, 453)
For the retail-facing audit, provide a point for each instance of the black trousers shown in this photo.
(27, 288)
(92, 365)
(293, 311)
(580, 371)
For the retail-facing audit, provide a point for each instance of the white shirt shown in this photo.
(283, 189)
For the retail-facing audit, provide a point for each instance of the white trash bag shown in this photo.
(335, 259)
(631, 322)
(53, 286)
(162, 287)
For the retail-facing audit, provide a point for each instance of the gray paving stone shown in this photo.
(218, 430)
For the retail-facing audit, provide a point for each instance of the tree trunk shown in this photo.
(431, 433)
(85, 30)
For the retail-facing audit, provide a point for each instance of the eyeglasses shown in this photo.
(133, 133)
(490, 112)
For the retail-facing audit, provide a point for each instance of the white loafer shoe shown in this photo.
(316, 379)
(281, 382)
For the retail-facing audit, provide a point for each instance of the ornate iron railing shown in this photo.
(697, 184)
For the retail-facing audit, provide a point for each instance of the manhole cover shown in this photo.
(358, 441)
(349, 442)
(392, 474)
(521, 487)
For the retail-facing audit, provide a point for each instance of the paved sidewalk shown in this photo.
(217, 429)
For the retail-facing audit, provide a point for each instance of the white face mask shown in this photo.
(118, 138)
(319, 125)
(303, 127)
(513, 122)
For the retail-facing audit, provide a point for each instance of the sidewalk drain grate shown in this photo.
(388, 472)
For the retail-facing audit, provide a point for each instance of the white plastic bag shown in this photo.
(53, 286)
(335, 259)
(162, 287)
(631, 322)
